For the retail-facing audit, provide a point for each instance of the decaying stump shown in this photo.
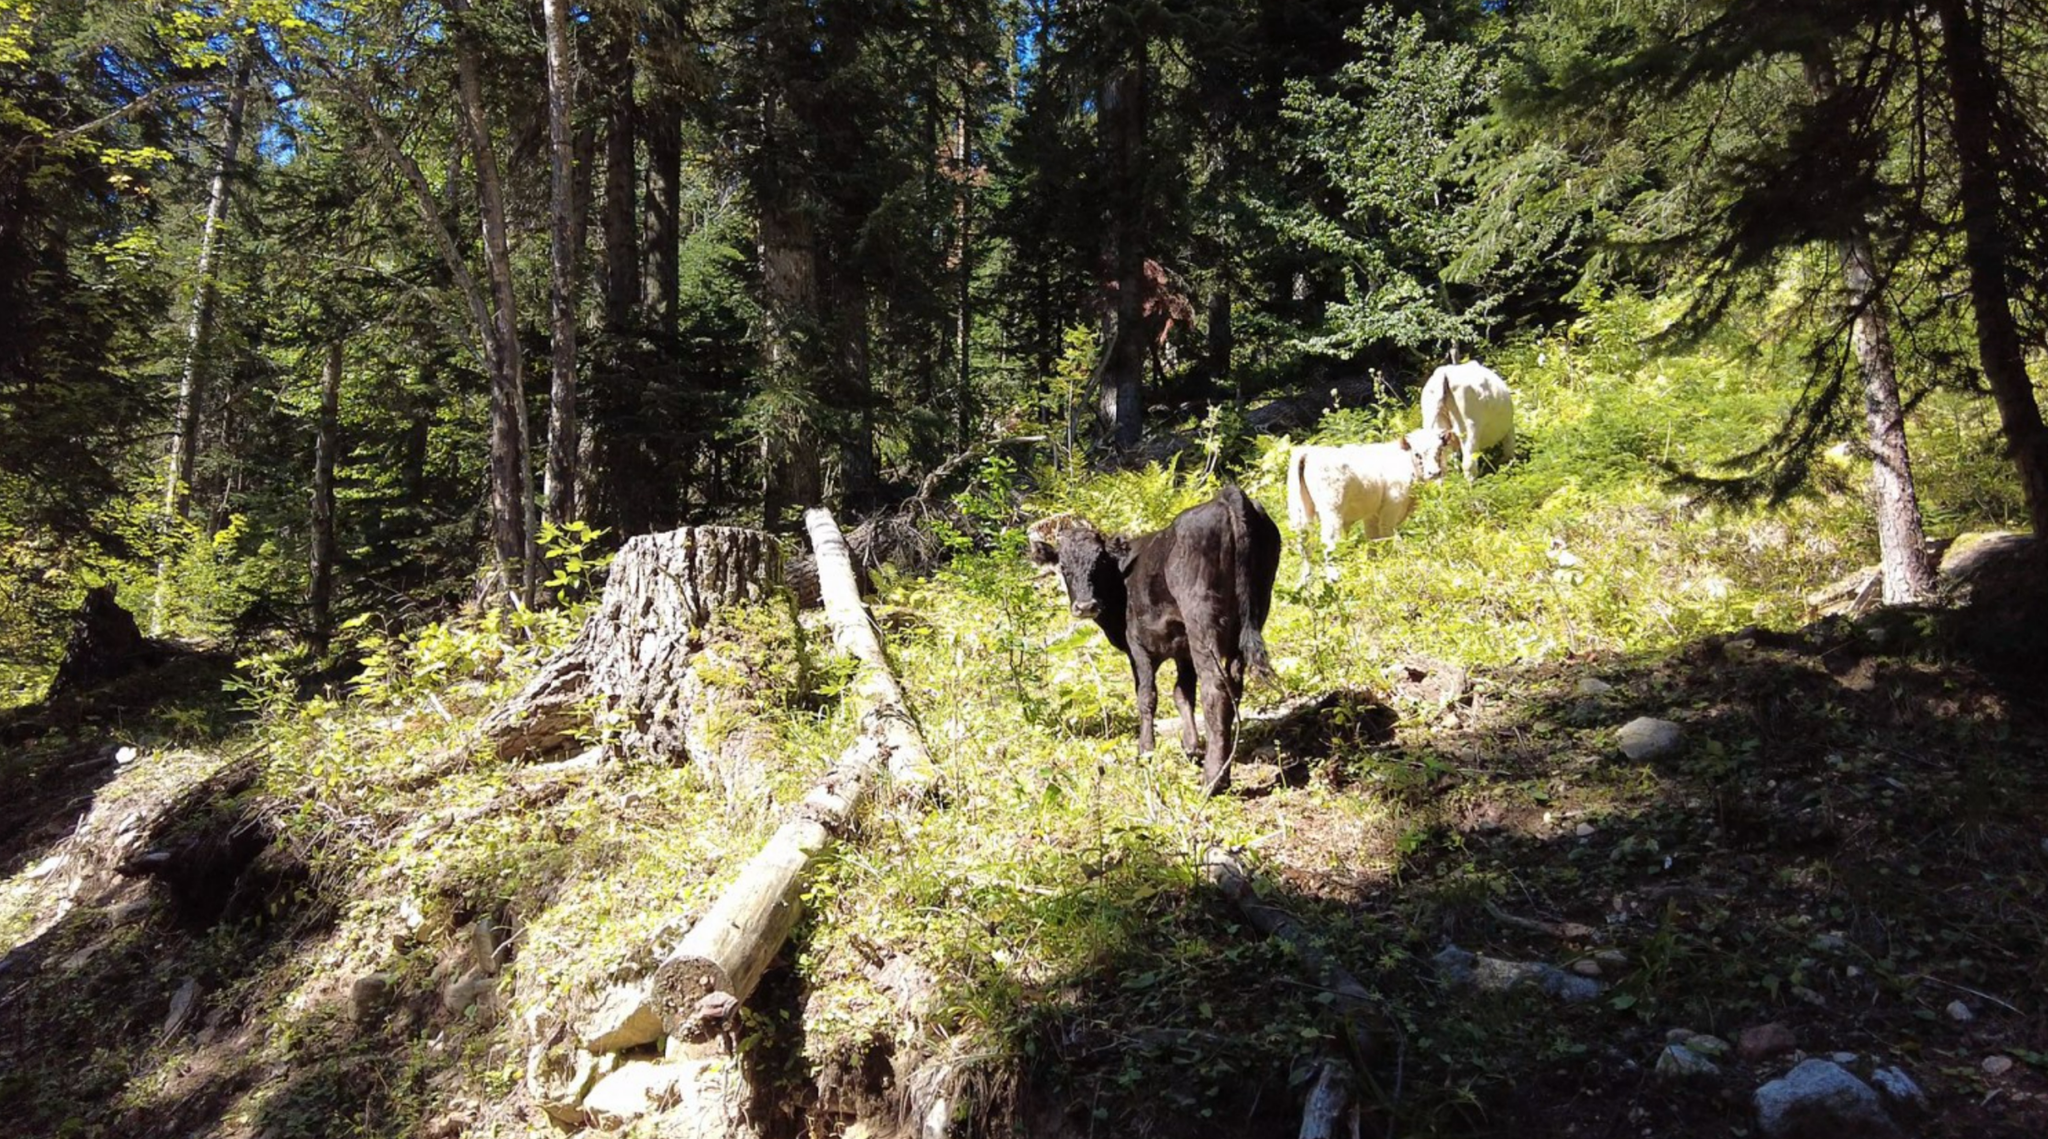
(105, 644)
(632, 654)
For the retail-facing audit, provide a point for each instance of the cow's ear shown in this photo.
(1119, 548)
(1405, 445)
(1043, 553)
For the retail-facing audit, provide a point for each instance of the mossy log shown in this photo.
(626, 665)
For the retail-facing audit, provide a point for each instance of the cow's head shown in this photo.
(1430, 444)
(1090, 562)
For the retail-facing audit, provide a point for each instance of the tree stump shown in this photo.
(105, 644)
(626, 667)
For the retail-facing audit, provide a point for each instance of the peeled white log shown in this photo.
(883, 711)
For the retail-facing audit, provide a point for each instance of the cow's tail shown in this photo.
(1257, 563)
(1301, 509)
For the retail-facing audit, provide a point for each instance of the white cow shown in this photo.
(1373, 483)
(1472, 400)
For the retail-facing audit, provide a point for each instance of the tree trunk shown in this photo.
(1908, 572)
(325, 439)
(1902, 542)
(789, 451)
(1328, 1100)
(664, 214)
(853, 382)
(963, 316)
(1222, 338)
(621, 251)
(512, 501)
(1121, 378)
(2000, 350)
(560, 485)
(205, 300)
(633, 652)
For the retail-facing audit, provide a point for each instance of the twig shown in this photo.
(1568, 931)
(2007, 1005)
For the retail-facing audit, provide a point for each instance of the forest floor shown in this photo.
(341, 917)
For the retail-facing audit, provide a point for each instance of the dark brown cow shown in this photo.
(1195, 593)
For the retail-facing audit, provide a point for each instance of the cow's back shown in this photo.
(1469, 398)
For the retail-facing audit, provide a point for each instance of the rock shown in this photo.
(369, 999)
(1460, 968)
(1829, 943)
(1583, 830)
(1899, 1090)
(1612, 958)
(1960, 1012)
(487, 945)
(1645, 738)
(1809, 996)
(1843, 1058)
(1678, 1061)
(473, 990)
(624, 1018)
(1818, 1100)
(1677, 1035)
(183, 1004)
(1592, 686)
(1764, 1041)
(1712, 1047)
(636, 1089)
(1586, 967)
(1997, 1065)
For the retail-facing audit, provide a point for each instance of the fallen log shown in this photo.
(698, 988)
(879, 698)
(1330, 1098)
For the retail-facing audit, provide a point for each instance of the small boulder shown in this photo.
(1712, 1047)
(1960, 1012)
(1461, 968)
(1681, 1062)
(1899, 1089)
(635, 1089)
(1584, 830)
(623, 1018)
(1592, 686)
(1997, 1065)
(1646, 738)
(369, 999)
(1763, 1041)
(1819, 1100)
(1586, 967)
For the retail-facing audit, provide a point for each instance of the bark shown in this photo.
(205, 302)
(632, 656)
(512, 502)
(560, 485)
(789, 452)
(1120, 379)
(1222, 338)
(854, 382)
(621, 250)
(1986, 251)
(1901, 539)
(664, 214)
(325, 439)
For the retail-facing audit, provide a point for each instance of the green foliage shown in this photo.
(568, 548)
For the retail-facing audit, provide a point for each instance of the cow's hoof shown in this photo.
(1214, 782)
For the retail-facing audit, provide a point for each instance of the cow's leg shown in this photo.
(1333, 531)
(1145, 671)
(1219, 721)
(1507, 446)
(1184, 699)
(1308, 561)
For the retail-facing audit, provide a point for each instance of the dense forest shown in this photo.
(344, 344)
